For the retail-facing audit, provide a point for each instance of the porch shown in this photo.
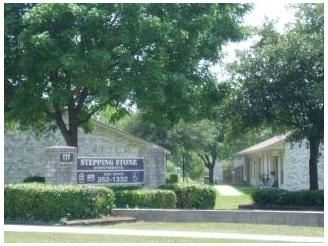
(263, 163)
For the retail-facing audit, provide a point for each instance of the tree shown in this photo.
(280, 82)
(69, 61)
(204, 138)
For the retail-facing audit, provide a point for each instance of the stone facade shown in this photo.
(58, 171)
(296, 166)
(289, 161)
(24, 152)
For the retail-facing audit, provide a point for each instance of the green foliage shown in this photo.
(193, 196)
(170, 167)
(74, 59)
(32, 179)
(279, 82)
(120, 188)
(171, 178)
(145, 198)
(54, 202)
(293, 198)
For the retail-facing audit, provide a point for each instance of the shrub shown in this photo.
(54, 202)
(194, 196)
(121, 188)
(284, 197)
(145, 198)
(32, 179)
(172, 178)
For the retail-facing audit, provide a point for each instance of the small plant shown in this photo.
(172, 178)
(32, 179)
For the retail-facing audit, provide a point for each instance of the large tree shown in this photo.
(280, 82)
(65, 62)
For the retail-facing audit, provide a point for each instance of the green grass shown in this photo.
(35, 237)
(232, 202)
(262, 229)
(222, 202)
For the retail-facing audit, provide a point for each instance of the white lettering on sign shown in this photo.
(66, 157)
(97, 162)
(126, 162)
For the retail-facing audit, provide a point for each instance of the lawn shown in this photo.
(32, 237)
(222, 202)
(232, 202)
(36, 237)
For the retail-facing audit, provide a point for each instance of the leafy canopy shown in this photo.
(280, 79)
(75, 59)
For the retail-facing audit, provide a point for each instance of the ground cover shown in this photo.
(36, 237)
(232, 202)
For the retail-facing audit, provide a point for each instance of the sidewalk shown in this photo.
(158, 233)
(227, 190)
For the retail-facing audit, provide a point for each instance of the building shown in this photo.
(25, 152)
(278, 160)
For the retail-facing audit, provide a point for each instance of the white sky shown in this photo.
(271, 10)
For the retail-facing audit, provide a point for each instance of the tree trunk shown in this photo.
(71, 138)
(69, 133)
(313, 163)
(211, 173)
(183, 168)
(210, 165)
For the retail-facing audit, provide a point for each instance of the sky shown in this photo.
(261, 10)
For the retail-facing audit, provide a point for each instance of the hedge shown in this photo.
(145, 198)
(284, 197)
(54, 202)
(193, 196)
(171, 178)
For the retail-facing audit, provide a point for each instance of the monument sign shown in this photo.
(95, 170)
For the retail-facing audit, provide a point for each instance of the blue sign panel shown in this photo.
(110, 170)
(117, 177)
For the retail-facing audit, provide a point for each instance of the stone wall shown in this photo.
(296, 166)
(24, 153)
(292, 218)
(60, 170)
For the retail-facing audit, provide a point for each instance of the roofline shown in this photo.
(129, 135)
(247, 151)
(243, 152)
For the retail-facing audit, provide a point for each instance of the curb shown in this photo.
(100, 221)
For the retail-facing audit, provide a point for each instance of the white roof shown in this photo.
(128, 135)
(267, 144)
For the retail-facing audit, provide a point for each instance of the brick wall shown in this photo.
(24, 152)
(296, 166)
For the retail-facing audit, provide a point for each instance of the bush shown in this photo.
(193, 195)
(54, 202)
(121, 188)
(145, 198)
(291, 198)
(36, 179)
(172, 178)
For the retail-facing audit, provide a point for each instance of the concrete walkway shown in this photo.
(159, 233)
(227, 190)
